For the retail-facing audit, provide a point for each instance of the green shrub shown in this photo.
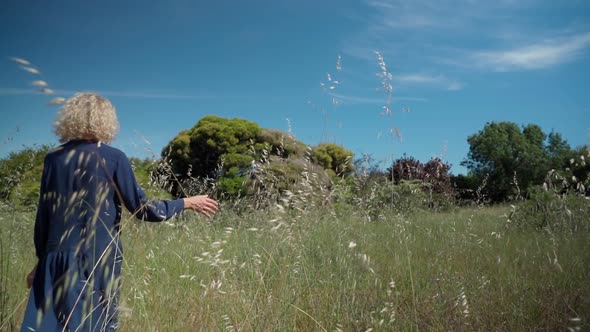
(553, 212)
(236, 156)
(334, 158)
(20, 175)
(233, 186)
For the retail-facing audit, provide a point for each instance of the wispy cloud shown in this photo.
(536, 56)
(445, 14)
(398, 15)
(431, 80)
(455, 86)
(350, 99)
(16, 91)
(503, 35)
(126, 94)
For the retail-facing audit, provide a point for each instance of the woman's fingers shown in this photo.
(209, 209)
(204, 205)
(211, 205)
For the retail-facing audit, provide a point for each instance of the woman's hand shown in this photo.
(31, 277)
(201, 204)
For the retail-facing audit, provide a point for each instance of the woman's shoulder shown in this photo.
(107, 151)
(69, 149)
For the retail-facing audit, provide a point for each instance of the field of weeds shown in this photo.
(332, 270)
(308, 236)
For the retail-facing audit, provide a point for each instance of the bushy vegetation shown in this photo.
(20, 176)
(334, 158)
(513, 160)
(199, 150)
(433, 178)
(237, 160)
(228, 149)
(560, 205)
(308, 238)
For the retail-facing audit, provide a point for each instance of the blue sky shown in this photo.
(454, 66)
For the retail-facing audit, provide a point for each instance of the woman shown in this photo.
(85, 183)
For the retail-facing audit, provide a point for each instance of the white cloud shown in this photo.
(417, 78)
(398, 15)
(536, 56)
(437, 81)
(426, 14)
(453, 32)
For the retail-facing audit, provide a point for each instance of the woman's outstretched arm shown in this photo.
(135, 200)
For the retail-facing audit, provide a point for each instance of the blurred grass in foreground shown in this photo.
(330, 271)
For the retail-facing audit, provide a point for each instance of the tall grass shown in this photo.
(460, 270)
(298, 262)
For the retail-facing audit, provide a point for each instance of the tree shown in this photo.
(465, 186)
(435, 174)
(229, 150)
(336, 159)
(512, 159)
(406, 168)
(559, 151)
(438, 174)
(533, 166)
(211, 143)
(20, 175)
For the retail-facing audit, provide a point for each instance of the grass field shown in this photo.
(326, 270)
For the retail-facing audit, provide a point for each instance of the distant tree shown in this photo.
(336, 159)
(513, 159)
(433, 179)
(435, 174)
(465, 185)
(406, 168)
(438, 174)
(534, 163)
(20, 175)
(559, 151)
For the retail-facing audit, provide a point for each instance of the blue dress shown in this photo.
(77, 236)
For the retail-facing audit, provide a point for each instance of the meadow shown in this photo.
(332, 269)
(334, 250)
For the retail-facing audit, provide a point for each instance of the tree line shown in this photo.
(505, 162)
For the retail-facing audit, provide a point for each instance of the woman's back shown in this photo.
(79, 199)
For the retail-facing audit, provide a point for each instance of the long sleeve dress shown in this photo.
(84, 186)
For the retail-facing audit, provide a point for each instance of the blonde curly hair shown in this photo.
(87, 115)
